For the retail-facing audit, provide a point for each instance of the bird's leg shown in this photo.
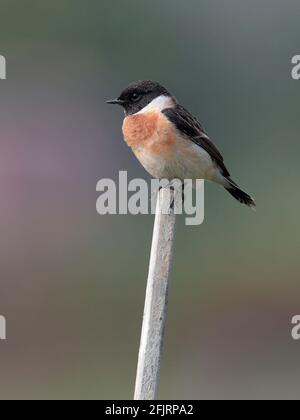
(183, 193)
(173, 199)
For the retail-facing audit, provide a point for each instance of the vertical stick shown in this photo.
(156, 298)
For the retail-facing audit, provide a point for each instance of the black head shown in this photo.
(138, 95)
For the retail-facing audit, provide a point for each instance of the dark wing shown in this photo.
(190, 126)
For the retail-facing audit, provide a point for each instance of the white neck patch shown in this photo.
(158, 104)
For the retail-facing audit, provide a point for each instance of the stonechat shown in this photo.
(169, 141)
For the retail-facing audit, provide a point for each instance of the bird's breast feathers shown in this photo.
(162, 149)
(150, 130)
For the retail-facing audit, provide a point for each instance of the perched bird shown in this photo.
(168, 141)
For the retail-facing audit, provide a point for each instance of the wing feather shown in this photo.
(187, 124)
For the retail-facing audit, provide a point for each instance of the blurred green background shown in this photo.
(72, 282)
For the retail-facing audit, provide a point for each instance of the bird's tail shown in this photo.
(239, 194)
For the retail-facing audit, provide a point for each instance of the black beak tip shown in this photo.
(114, 102)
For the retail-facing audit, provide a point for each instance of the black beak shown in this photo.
(116, 102)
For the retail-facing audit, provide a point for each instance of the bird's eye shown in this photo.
(135, 96)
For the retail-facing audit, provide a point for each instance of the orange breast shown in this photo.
(150, 130)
